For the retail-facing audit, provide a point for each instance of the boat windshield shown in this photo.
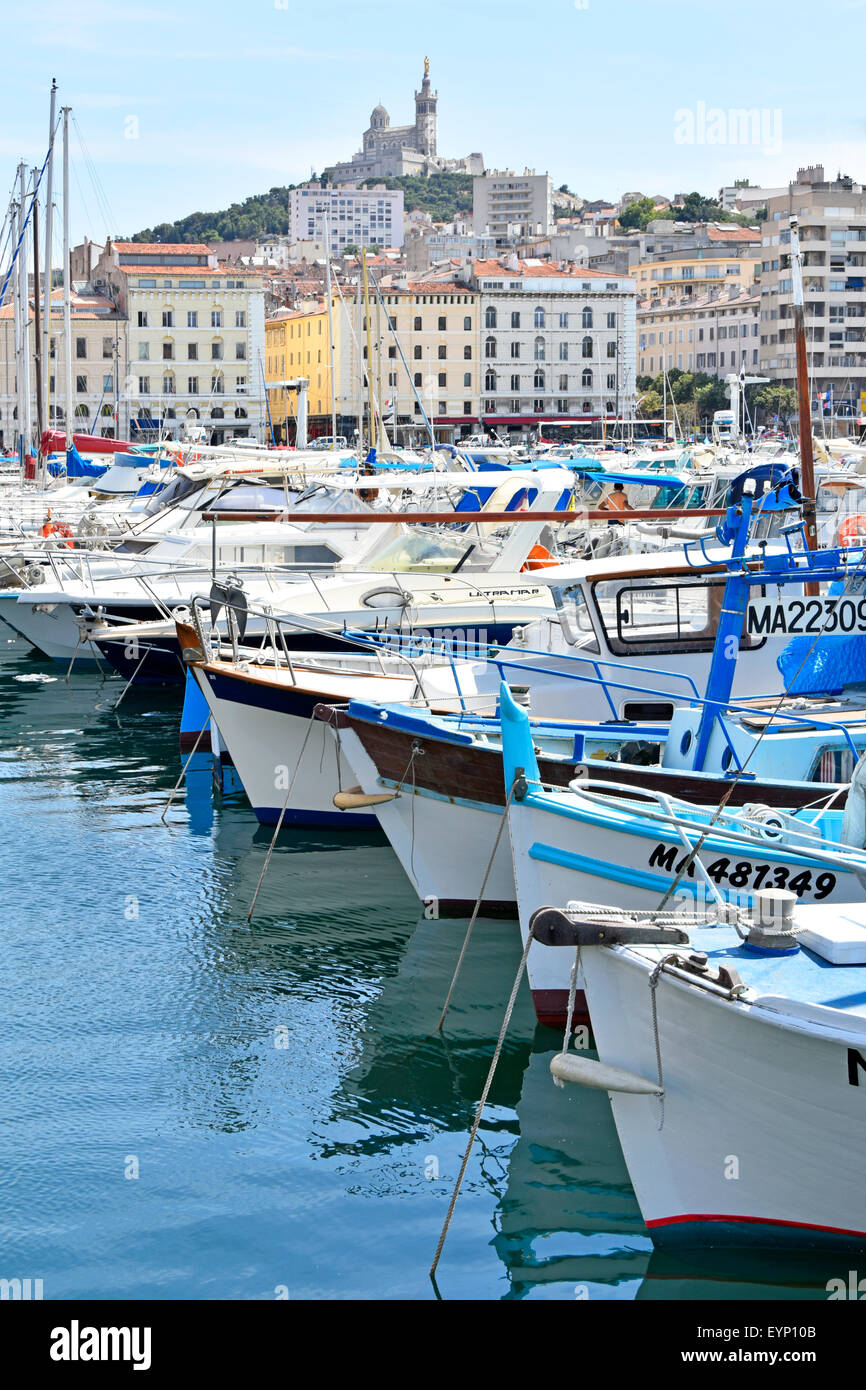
(320, 498)
(573, 614)
(424, 554)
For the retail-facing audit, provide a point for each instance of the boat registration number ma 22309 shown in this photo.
(824, 617)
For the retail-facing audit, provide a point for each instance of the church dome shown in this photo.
(379, 117)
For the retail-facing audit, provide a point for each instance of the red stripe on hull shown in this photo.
(551, 1007)
(696, 1218)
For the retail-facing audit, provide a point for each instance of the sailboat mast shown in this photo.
(49, 216)
(16, 301)
(374, 436)
(37, 326)
(807, 467)
(26, 423)
(67, 284)
(331, 345)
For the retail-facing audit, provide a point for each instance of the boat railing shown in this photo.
(474, 652)
(277, 648)
(414, 651)
(665, 809)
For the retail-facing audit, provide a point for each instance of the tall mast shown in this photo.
(49, 214)
(67, 285)
(26, 424)
(16, 302)
(374, 434)
(807, 467)
(331, 347)
(37, 328)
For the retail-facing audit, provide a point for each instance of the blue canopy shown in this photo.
(76, 467)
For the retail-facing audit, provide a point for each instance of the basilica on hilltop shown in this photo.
(388, 150)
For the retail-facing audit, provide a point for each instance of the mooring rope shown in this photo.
(279, 823)
(477, 908)
(483, 1101)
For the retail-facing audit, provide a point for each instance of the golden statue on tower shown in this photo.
(426, 67)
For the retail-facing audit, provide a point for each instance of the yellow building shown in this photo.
(296, 345)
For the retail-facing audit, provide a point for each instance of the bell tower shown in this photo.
(425, 115)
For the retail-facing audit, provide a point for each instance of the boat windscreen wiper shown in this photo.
(464, 557)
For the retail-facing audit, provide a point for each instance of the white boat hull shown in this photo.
(763, 1131)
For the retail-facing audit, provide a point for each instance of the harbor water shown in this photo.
(194, 1107)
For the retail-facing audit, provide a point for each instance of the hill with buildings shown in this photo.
(443, 195)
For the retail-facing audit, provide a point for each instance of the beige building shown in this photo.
(832, 218)
(679, 274)
(511, 207)
(716, 333)
(99, 350)
(436, 323)
(196, 339)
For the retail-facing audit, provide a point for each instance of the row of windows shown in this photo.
(491, 380)
(539, 318)
(432, 299)
(217, 385)
(216, 318)
(81, 384)
(542, 407)
(730, 332)
(81, 348)
(195, 284)
(216, 352)
(647, 365)
(540, 349)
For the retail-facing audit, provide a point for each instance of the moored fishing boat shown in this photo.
(735, 1055)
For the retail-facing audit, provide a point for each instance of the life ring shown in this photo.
(539, 558)
(852, 531)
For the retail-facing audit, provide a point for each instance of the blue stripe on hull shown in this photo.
(269, 815)
(767, 1235)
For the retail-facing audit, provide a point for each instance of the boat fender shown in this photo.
(586, 1071)
(399, 598)
(356, 797)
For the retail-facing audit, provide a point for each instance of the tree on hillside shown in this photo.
(637, 214)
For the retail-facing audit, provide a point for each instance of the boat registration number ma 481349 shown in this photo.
(743, 873)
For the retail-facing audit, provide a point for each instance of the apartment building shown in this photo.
(346, 216)
(832, 223)
(676, 274)
(435, 323)
(99, 352)
(196, 339)
(511, 207)
(717, 333)
(556, 340)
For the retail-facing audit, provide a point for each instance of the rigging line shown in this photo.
(476, 909)
(500, 1042)
(32, 196)
(689, 860)
(98, 186)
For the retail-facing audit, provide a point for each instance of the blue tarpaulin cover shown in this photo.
(77, 467)
(832, 664)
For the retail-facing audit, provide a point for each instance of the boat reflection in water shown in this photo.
(550, 1188)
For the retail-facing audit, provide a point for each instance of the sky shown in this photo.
(191, 108)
